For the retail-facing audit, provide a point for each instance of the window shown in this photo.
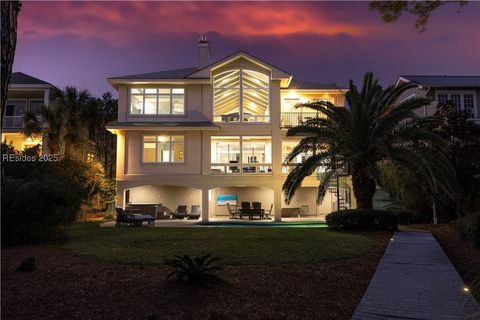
(247, 154)
(157, 101)
(241, 95)
(287, 147)
(35, 107)
(162, 149)
(464, 102)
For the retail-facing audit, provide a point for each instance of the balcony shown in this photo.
(237, 168)
(15, 122)
(293, 119)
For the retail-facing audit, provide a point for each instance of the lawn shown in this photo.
(236, 246)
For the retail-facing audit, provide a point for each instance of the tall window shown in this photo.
(464, 102)
(162, 149)
(157, 101)
(241, 95)
(247, 154)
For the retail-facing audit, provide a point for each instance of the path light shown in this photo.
(465, 289)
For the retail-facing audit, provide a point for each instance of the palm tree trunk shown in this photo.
(363, 188)
(10, 11)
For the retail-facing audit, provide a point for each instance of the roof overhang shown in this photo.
(15, 86)
(116, 82)
(113, 128)
(313, 91)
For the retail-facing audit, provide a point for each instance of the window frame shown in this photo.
(171, 143)
(241, 164)
(240, 90)
(462, 99)
(157, 95)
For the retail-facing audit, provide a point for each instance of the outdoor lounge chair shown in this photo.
(133, 220)
(257, 210)
(233, 211)
(245, 210)
(180, 213)
(266, 213)
(195, 213)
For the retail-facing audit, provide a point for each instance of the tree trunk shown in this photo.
(363, 188)
(10, 11)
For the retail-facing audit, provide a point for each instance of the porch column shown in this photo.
(277, 203)
(204, 205)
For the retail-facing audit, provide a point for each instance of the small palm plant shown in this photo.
(198, 271)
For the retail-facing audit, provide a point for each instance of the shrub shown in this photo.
(358, 219)
(469, 228)
(195, 271)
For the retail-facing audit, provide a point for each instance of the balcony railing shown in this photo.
(293, 119)
(15, 122)
(237, 168)
(246, 117)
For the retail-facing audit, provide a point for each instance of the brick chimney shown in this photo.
(204, 52)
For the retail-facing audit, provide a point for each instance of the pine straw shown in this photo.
(65, 286)
(464, 257)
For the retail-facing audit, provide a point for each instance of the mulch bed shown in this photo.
(65, 286)
(464, 257)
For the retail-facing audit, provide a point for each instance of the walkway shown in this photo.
(415, 280)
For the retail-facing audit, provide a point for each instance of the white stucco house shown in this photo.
(216, 133)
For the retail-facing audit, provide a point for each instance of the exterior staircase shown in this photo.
(344, 199)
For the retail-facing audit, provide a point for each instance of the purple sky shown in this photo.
(83, 43)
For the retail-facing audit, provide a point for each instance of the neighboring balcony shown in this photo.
(293, 119)
(14, 122)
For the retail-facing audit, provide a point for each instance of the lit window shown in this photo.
(157, 101)
(247, 154)
(162, 149)
(241, 95)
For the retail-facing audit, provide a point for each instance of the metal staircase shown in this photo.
(343, 189)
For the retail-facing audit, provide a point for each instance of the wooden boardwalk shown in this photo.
(415, 280)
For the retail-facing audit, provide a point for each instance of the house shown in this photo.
(216, 134)
(463, 91)
(25, 93)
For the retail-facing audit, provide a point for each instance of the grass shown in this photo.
(236, 246)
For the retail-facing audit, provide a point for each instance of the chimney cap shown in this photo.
(203, 39)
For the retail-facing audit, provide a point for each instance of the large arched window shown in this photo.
(241, 95)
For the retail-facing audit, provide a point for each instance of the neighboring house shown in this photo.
(214, 134)
(24, 93)
(463, 91)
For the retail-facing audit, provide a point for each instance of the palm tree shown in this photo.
(370, 132)
(51, 124)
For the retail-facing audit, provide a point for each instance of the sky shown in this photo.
(83, 43)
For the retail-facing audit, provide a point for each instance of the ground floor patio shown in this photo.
(224, 203)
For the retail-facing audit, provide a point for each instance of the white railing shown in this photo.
(10, 122)
(238, 168)
(293, 119)
(235, 117)
(15, 122)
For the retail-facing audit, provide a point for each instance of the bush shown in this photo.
(358, 219)
(469, 228)
(197, 271)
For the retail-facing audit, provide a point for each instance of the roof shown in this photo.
(167, 74)
(23, 78)
(306, 85)
(443, 81)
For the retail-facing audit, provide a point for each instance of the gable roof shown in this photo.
(166, 74)
(442, 81)
(193, 73)
(20, 78)
(308, 85)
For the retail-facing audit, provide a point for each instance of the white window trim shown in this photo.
(156, 148)
(171, 95)
(241, 164)
(240, 90)
(461, 93)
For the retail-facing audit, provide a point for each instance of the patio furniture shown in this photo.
(257, 210)
(180, 213)
(194, 213)
(135, 220)
(232, 209)
(266, 213)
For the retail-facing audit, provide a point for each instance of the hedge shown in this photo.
(469, 228)
(360, 219)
